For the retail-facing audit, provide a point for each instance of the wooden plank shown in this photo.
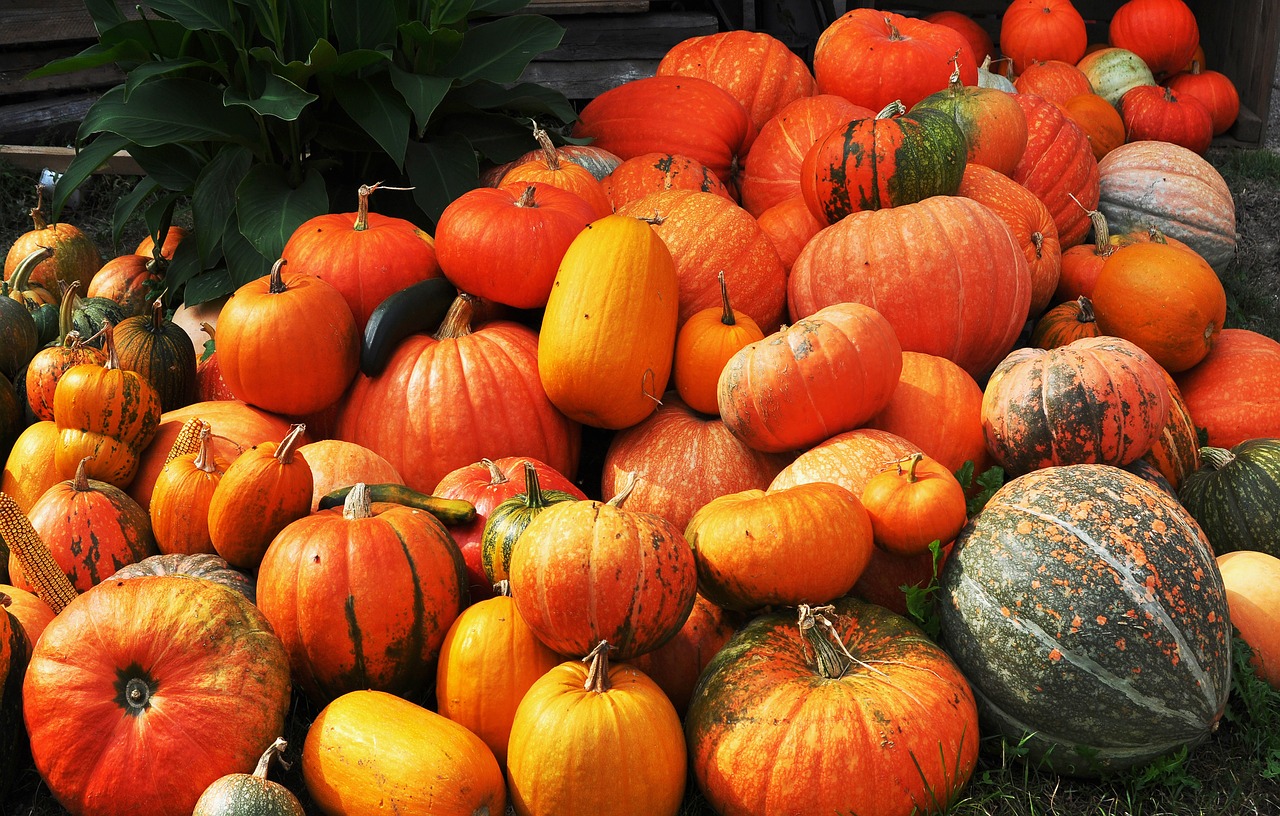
(588, 79)
(49, 21)
(627, 36)
(58, 158)
(1241, 39)
(586, 6)
(38, 116)
(15, 65)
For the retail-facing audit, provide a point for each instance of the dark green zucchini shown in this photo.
(449, 511)
(414, 309)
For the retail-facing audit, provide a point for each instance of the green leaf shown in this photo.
(105, 13)
(198, 15)
(495, 137)
(214, 199)
(990, 480)
(278, 98)
(169, 110)
(159, 213)
(449, 13)
(243, 262)
(374, 104)
(210, 285)
(123, 212)
(496, 7)
(151, 70)
(922, 601)
(352, 62)
(172, 167)
(440, 170)
(307, 22)
(525, 98)
(185, 265)
(434, 47)
(94, 56)
(268, 209)
(322, 58)
(500, 51)
(87, 159)
(421, 92)
(364, 23)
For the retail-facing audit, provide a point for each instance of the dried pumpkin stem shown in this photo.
(274, 751)
(276, 285)
(1085, 315)
(109, 343)
(526, 198)
(549, 152)
(358, 504)
(598, 671)
(496, 476)
(80, 483)
(726, 317)
(457, 321)
(627, 486)
(502, 588)
(831, 658)
(1217, 458)
(894, 108)
(284, 453)
(204, 460)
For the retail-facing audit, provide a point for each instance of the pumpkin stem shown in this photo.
(284, 453)
(457, 321)
(157, 314)
(526, 198)
(1101, 233)
(67, 310)
(831, 658)
(204, 454)
(1168, 94)
(644, 389)
(894, 33)
(108, 333)
(1037, 240)
(532, 489)
(5, 600)
(362, 207)
(894, 108)
(502, 588)
(81, 482)
(277, 279)
(915, 460)
(496, 476)
(598, 672)
(274, 751)
(549, 153)
(727, 317)
(627, 487)
(358, 505)
(1196, 67)
(1156, 236)
(37, 212)
(1217, 458)
(1085, 314)
(20, 280)
(953, 81)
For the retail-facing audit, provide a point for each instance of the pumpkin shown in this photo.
(989, 78)
(365, 256)
(609, 329)
(1066, 323)
(1099, 120)
(756, 68)
(124, 674)
(824, 374)
(652, 172)
(1042, 30)
(92, 529)
(1163, 33)
(953, 435)
(806, 544)
(555, 570)
(1252, 581)
(970, 29)
(1234, 392)
(676, 665)
(670, 114)
(1096, 400)
(707, 234)
(913, 503)
(32, 296)
(368, 751)
(90, 315)
(1155, 113)
(299, 377)
(107, 413)
(204, 566)
(262, 491)
(873, 57)
(1233, 496)
(50, 363)
(505, 244)
(672, 443)
(30, 615)
(596, 159)
(75, 256)
(1113, 72)
(12, 415)
(888, 577)
(849, 459)
(962, 294)
(707, 340)
(1176, 452)
(159, 350)
(173, 236)
(1054, 80)
(994, 126)
(596, 739)
(488, 661)
(19, 337)
(1166, 300)
(133, 281)
(1083, 605)
(771, 173)
(1169, 187)
(1214, 89)
(509, 519)
(894, 158)
(789, 225)
(30, 468)
(335, 463)
(1082, 263)
(486, 484)
(239, 794)
(549, 169)
(12, 665)
(890, 732)
(448, 400)
(181, 497)
(1059, 167)
(362, 597)
(1028, 220)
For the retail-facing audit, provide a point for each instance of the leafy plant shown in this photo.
(262, 112)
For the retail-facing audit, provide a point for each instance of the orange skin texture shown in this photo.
(790, 225)
(1155, 113)
(1099, 120)
(638, 176)
(1066, 323)
(565, 175)
(676, 665)
(29, 613)
(47, 367)
(125, 279)
(993, 123)
(979, 39)
(1214, 89)
(257, 497)
(704, 344)
(1042, 30)
(30, 469)
(1164, 33)
(804, 544)
(108, 413)
(1252, 580)
(146, 247)
(1177, 450)
(756, 68)
(1057, 165)
(848, 459)
(75, 257)
(180, 501)
(1234, 392)
(912, 504)
(771, 173)
(1054, 80)
(335, 463)
(1166, 300)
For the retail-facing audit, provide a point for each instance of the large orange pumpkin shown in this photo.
(1059, 167)
(1156, 113)
(1042, 30)
(1054, 80)
(1163, 33)
(648, 173)
(75, 257)
(1234, 392)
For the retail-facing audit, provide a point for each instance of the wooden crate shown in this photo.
(1240, 39)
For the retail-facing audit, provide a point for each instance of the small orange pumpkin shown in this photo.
(180, 500)
(550, 169)
(704, 344)
(1066, 323)
(913, 507)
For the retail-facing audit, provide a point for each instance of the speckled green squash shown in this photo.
(252, 794)
(509, 519)
(1235, 495)
(1084, 607)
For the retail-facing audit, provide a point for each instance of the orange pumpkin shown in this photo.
(133, 281)
(789, 225)
(1234, 392)
(549, 168)
(1054, 80)
(1163, 33)
(994, 126)
(1066, 323)
(676, 665)
(1176, 453)
(1042, 30)
(912, 504)
(335, 463)
(1214, 89)
(849, 459)
(1099, 120)
(50, 363)
(970, 29)
(180, 500)
(168, 245)
(75, 257)
(1252, 582)
(704, 344)
(1161, 114)
(30, 469)
(648, 173)
(1059, 167)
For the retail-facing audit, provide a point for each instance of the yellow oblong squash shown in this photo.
(609, 329)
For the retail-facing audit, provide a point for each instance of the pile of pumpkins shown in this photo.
(640, 466)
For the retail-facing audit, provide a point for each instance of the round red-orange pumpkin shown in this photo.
(912, 504)
(790, 225)
(1214, 89)
(133, 281)
(1252, 581)
(1059, 167)
(648, 173)
(970, 29)
(1066, 323)
(547, 167)
(1163, 33)
(1054, 80)
(1042, 30)
(179, 506)
(1099, 120)
(707, 340)
(75, 256)
(848, 459)
(1234, 392)
(1162, 114)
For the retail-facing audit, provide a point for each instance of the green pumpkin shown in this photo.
(89, 314)
(508, 521)
(242, 794)
(160, 351)
(19, 337)
(1235, 495)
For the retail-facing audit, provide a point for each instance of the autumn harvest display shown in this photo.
(794, 433)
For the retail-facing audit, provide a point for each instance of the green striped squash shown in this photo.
(1084, 607)
(510, 518)
(160, 350)
(1235, 495)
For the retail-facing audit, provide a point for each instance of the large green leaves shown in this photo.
(167, 111)
(501, 50)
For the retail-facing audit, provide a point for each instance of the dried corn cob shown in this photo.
(50, 582)
(188, 439)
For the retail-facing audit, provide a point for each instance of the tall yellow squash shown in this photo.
(609, 329)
